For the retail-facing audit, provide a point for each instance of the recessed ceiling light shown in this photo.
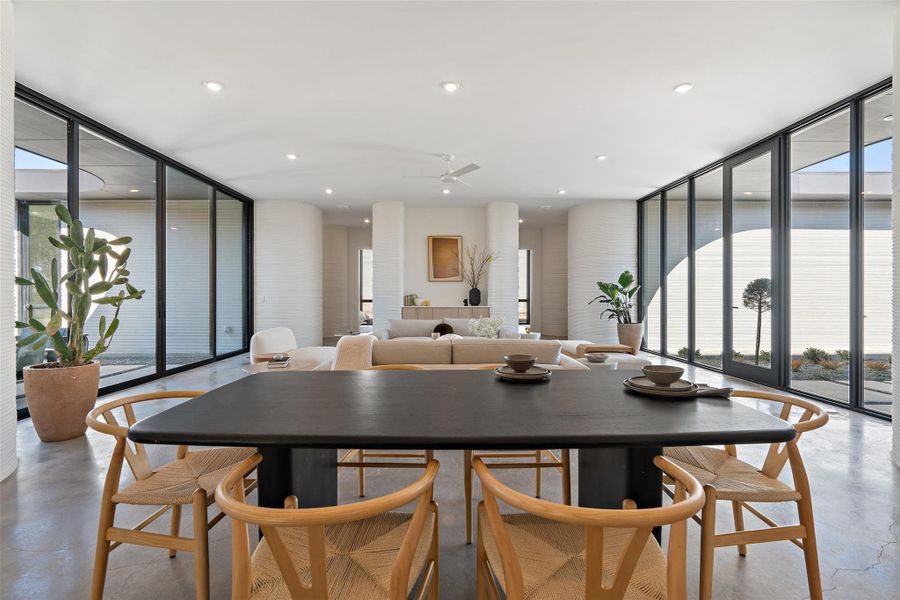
(521, 220)
(445, 191)
(545, 207)
(561, 192)
(291, 156)
(134, 190)
(748, 193)
(214, 86)
(329, 191)
(343, 206)
(888, 118)
(450, 86)
(601, 157)
(683, 88)
(367, 220)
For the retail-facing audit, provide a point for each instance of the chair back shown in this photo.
(688, 499)
(271, 341)
(810, 417)
(231, 500)
(103, 419)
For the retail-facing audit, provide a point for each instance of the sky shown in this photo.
(877, 157)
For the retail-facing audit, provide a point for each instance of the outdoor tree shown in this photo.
(758, 296)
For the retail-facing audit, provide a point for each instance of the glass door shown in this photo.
(751, 290)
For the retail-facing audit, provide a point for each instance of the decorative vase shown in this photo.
(631, 334)
(59, 399)
(474, 297)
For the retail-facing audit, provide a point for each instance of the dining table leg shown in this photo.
(607, 476)
(308, 473)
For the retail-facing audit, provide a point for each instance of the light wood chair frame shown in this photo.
(230, 498)
(688, 500)
(361, 459)
(110, 537)
(802, 535)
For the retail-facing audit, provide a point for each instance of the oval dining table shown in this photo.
(299, 419)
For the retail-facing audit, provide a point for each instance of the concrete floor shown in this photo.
(50, 506)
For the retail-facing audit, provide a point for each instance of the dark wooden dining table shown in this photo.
(299, 419)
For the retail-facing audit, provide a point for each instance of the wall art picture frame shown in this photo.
(444, 252)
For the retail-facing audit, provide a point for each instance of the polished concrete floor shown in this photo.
(49, 509)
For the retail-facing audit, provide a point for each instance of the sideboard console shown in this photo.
(445, 312)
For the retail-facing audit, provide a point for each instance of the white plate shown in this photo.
(532, 374)
(643, 382)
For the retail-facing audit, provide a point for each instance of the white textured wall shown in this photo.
(532, 239)
(288, 268)
(422, 222)
(502, 219)
(895, 220)
(555, 281)
(8, 459)
(334, 280)
(387, 261)
(602, 243)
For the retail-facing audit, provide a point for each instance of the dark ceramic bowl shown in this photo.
(663, 374)
(519, 362)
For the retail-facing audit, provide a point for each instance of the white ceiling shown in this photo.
(353, 88)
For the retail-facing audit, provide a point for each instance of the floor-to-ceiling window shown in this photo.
(524, 286)
(650, 292)
(876, 251)
(708, 257)
(117, 192)
(790, 277)
(820, 257)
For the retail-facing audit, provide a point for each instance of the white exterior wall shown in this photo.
(602, 241)
(8, 460)
(503, 275)
(288, 268)
(387, 262)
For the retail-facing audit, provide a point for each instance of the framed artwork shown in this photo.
(444, 253)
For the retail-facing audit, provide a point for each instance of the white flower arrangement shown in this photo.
(486, 327)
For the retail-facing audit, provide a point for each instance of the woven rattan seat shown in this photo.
(552, 556)
(176, 482)
(359, 557)
(733, 478)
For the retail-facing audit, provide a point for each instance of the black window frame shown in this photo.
(781, 262)
(75, 121)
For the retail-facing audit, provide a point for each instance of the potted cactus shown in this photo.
(60, 393)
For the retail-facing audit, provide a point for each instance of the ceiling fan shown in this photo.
(449, 175)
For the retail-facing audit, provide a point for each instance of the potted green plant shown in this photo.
(619, 299)
(60, 393)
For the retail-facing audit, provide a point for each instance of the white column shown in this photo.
(602, 244)
(895, 226)
(503, 275)
(387, 262)
(287, 268)
(8, 459)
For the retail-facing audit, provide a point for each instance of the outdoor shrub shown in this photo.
(843, 354)
(765, 356)
(797, 363)
(829, 364)
(682, 352)
(735, 355)
(816, 355)
(878, 365)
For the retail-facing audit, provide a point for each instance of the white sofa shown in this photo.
(455, 353)
(422, 328)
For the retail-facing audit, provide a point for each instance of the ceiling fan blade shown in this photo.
(466, 169)
(457, 180)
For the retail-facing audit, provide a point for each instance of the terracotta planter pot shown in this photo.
(631, 334)
(59, 399)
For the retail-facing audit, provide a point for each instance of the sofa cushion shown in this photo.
(403, 351)
(460, 326)
(481, 350)
(411, 327)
